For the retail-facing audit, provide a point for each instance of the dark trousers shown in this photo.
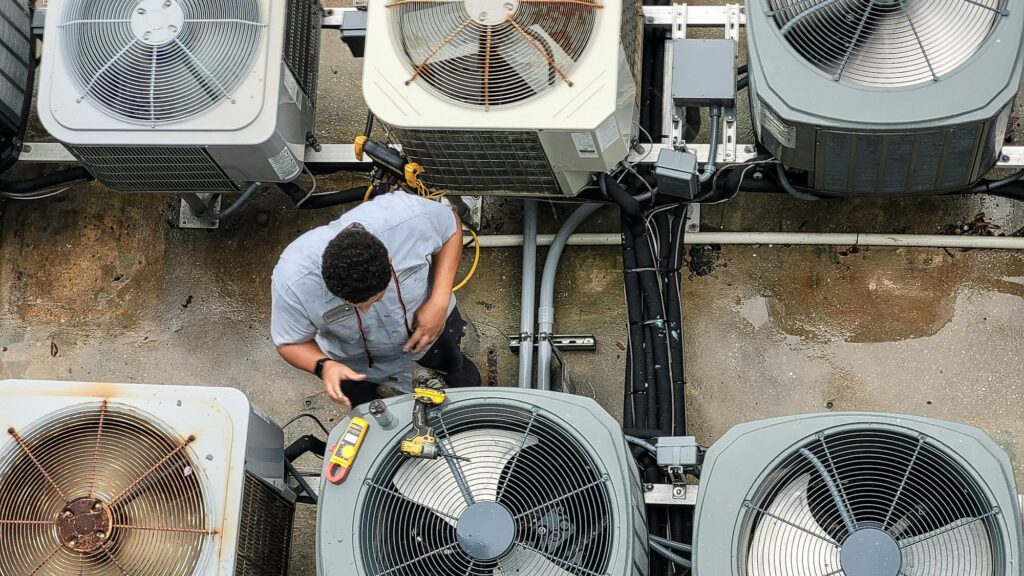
(445, 356)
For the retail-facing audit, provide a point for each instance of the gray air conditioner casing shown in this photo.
(17, 56)
(379, 515)
(747, 473)
(185, 96)
(548, 139)
(921, 105)
(220, 500)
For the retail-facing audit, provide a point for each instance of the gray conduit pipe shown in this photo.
(528, 314)
(546, 310)
(786, 239)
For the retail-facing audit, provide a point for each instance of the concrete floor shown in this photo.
(98, 286)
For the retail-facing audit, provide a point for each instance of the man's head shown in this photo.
(356, 267)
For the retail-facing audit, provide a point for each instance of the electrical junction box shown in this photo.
(678, 451)
(704, 72)
(678, 174)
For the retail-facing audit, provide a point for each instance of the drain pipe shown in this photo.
(528, 314)
(546, 311)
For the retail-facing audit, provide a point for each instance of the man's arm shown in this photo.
(431, 317)
(305, 356)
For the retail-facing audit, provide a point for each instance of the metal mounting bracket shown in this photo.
(670, 494)
(564, 342)
(189, 220)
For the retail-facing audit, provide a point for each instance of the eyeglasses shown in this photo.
(405, 317)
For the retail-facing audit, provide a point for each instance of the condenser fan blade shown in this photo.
(535, 56)
(960, 549)
(523, 561)
(431, 483)
(788, 537)
(427, 33)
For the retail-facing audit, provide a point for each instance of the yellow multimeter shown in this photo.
(344, 453)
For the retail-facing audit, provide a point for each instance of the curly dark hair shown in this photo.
(355, 265)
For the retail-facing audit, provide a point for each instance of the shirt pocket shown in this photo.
(341, 332)
(414, 283)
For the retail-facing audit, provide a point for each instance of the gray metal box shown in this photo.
(704, 72)
(678, 174)
(678, 451)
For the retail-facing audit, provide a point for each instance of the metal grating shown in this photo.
(142, 169)
(872, 501)
(559, 517)
(632, 38)
(887, 42)
(470, 160)
(16, 47)
(265, 531)
(100, 489)
(302, 44)
(159, 61)
(492, 52)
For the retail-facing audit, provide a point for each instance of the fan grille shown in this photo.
(492, 52)
(887, 42)
(555, 492)
(100, 489)
(159, 61)
(890, 486)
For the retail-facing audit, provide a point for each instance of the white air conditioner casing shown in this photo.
(236, 454)
(255, 128)
(551, 143)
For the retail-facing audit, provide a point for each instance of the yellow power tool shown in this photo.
(421, 442)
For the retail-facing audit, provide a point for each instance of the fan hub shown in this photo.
(157, 22)
(84, 524)
(491, 12)
(486, 531)
(871, 552)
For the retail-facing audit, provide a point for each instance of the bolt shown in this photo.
(650, 19)
(147, 35)
(167, 4)
(648, 487)
(172, 28)
(678, 492)
(68, 514)
(101, 535)
(510, 6)
(142, 10)
(483, 16)
(1005, 158)
(749, 149)
(97, 506)
(73, 543)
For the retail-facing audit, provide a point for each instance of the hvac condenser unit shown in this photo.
(100, 479)
(857, 495)
(17, 56)
(537, 484)
(506, 95)
(884, 96)
(182, 95)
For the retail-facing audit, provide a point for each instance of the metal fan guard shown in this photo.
(555, 491)
(887, 43)
(101, 488)
(890, 481)
(156, 62)
(458, 48)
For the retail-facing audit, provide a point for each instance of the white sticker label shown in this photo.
(292, 87)
(783, 132)
(286, 165)
(584, 145)
(607, 133)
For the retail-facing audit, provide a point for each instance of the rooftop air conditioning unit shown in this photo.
(884, 97)
(506, 95)
(182, 95)
(102, 479)
(17, 57)
(541, 484)
(857, 495)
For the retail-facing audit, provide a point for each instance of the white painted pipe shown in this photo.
(786, 239)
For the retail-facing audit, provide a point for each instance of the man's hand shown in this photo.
(428, 324)
(334, 374)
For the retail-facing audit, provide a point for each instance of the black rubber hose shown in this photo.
(654, 318)
(636, 395)
(325, 200)
(369, 124)
(743, 83)
(302, 481)
(307, 444)
(629, 205)
(15, 188)
(211, 205)
(783, 180)
(650, 377)
(645, 433)
(666, 395)
(674, 315)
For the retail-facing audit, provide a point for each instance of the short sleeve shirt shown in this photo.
(412, 229)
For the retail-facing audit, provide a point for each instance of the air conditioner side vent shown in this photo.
(264, 532)
(302, 44)
(148, 169)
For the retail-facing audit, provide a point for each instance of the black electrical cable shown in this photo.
(369, 124)
(643, 433)
(674, 315)
(661, 246)
(307, 444)
(743, 83)
(641, 443)
(311, 417)
(783, 180)
(636, 377)
(678, 546)
(211, 204)
(668, 555)
(25, 188)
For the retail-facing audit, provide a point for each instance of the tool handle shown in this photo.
(336, 474)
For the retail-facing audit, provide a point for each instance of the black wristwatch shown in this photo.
(319, 370)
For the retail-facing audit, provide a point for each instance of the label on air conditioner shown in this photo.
(286, 165)
(608, 133)
(585, 146)
(783, 132)
(292, 86)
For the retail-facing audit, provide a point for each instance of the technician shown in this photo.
(357, 301)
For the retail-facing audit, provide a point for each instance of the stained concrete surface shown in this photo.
(98, 286)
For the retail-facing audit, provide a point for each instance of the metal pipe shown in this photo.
(546, 310)
(785, 239)
(528, 303)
